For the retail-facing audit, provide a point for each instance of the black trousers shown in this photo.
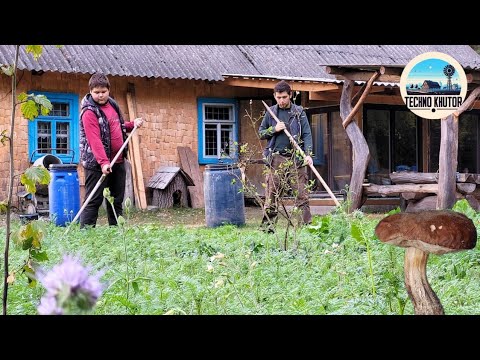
(115, 181)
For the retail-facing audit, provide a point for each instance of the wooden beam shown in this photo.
(337, 70)
(397, 189)
(269, 84)
(324, 96)
(384, 70)
(371, 99)
(134, 152)
(468, 102)
(385, 99)
(365, 76)
(335, 95)
(349, 118)
(342, 73)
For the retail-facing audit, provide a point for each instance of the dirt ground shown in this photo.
(184, 216)
(168, 217)
(187, 217)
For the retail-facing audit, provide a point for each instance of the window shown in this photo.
(393, 136)
(217, 129)
(468, 145)
(58, 132)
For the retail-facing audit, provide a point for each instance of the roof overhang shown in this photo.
(297, 83)
(390, 73)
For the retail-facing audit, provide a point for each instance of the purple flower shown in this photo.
(48, 306)
(69, 284)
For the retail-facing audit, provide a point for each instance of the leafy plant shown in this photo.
(128, 279)
(31, 106)
(464, 207)
(358, 233)
(287, 177)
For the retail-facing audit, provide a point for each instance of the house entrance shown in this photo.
(332, 150)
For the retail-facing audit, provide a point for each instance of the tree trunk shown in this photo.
(447, 163)
(361, 153)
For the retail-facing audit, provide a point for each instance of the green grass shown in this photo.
(182, 268)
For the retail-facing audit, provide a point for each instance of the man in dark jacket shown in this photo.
(279, 151)
(102, 133)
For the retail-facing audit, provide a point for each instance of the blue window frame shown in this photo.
(217, 130)
(58, 132)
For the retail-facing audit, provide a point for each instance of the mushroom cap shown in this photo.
(434, 231)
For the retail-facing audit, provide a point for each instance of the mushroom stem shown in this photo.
(424, 299)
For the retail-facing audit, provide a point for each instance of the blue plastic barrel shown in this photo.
(224, 200)
(63, 193)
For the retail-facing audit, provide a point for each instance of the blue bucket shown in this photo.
(63, 193)
(224, 200)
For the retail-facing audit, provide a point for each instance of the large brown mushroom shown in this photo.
(429, 232)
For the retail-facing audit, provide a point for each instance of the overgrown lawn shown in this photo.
(339, 268)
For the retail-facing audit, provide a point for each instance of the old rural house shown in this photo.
(206, 96)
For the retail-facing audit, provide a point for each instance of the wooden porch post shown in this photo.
(361, 153)
(448, 158)
(447, 162)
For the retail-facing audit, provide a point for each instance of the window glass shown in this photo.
(467, 143)
(377, 127)
(217, 130)
(58, 132)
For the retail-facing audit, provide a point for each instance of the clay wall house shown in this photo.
(206, 96)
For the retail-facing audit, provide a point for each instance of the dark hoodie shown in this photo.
(87, 158)
(297, 125)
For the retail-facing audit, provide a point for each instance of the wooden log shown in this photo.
(427, 203)
(406, 189)
(473, 201)
(476, 193)
(401, 188)
(413, 195)
(403, 177)
(468, 178)
(361, 153)
(466, 188)
(447, 162)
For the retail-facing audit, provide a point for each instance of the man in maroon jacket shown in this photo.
(102, 133)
